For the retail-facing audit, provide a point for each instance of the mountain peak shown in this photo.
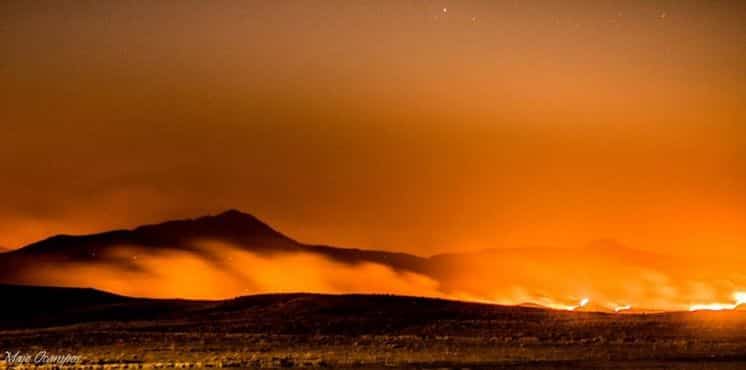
(231, 224)
(233, 212)
(235, 215)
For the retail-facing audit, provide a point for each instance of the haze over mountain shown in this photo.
(234, 253)
(218, 256)
(232, 227)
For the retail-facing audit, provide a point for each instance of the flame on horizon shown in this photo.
(219, 271)
(622, 308)
(583, 302)
(739, 297)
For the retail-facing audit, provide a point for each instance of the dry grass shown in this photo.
(316, 331)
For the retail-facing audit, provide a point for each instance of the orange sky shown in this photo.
(420, 126)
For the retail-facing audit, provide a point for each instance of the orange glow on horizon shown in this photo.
(579, 155)
(218, 271)
(622, 308)
(739, 297)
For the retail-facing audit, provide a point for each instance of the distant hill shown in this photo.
(232, 227)
(250, 234)
(34, 306)
(342, 331)
(531, 275)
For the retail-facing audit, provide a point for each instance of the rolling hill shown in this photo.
(356, 331)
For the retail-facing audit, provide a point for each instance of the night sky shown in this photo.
(419, 126)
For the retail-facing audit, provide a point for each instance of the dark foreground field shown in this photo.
(356, 331)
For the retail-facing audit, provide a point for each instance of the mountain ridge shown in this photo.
(280, 263)
(233, 228)
(215, 226)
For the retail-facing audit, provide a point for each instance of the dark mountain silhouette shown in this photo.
(246, 232)
(233, 227)
(484, 273)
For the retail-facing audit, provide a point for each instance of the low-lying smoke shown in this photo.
(612, 279)
(219, 271)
